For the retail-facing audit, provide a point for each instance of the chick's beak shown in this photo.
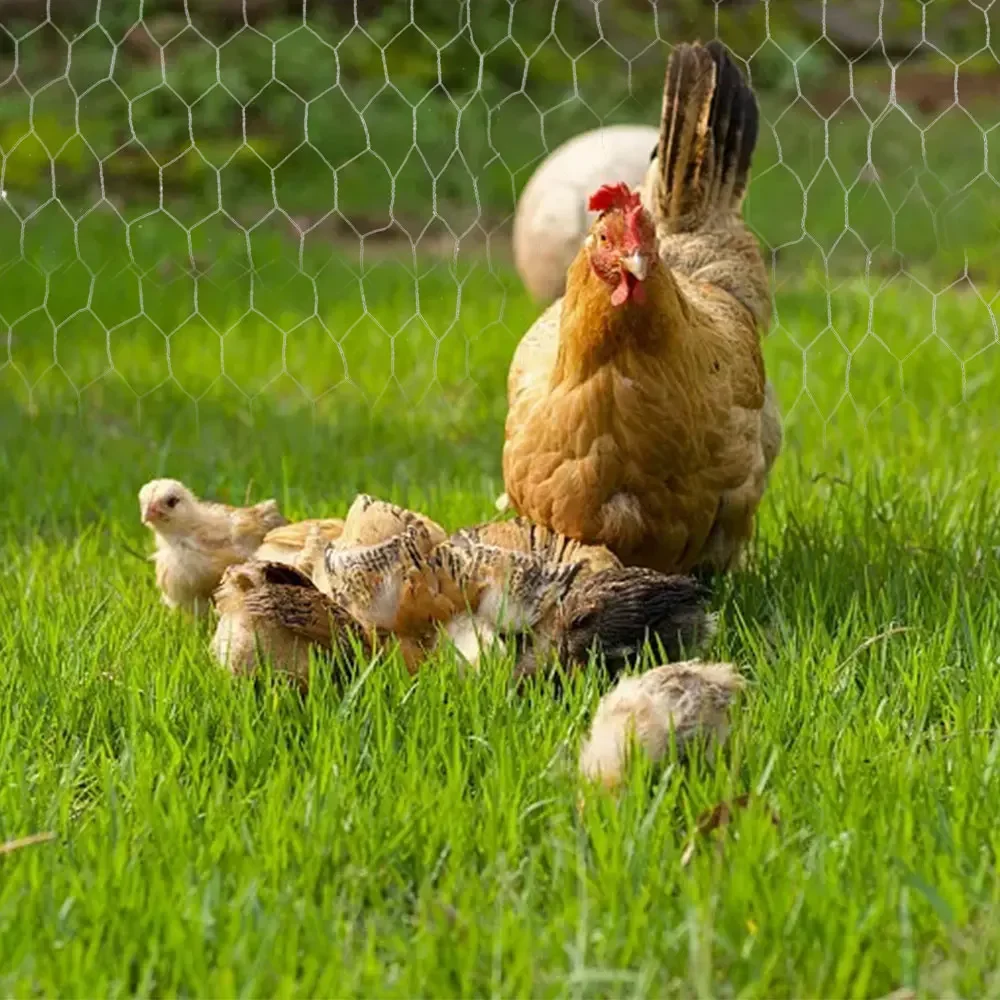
(150, 513)
(636, 265)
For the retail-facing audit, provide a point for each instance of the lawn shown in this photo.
(399, 838)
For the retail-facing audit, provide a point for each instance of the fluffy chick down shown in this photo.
(473, 638)
(289, 543)
(196, 539)
(614, 613)
(270, 610)
(691, 700)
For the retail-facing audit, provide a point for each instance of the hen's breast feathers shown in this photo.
(614, 436)
(657, 388)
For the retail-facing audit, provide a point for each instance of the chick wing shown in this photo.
(520, 534)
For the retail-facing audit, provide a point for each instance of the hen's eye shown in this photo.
(173, 502)
(603, 238)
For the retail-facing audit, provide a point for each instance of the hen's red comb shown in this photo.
(611, 196)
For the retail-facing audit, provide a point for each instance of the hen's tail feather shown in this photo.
(735, 124)
(708, 132)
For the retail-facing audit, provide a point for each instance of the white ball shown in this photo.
(551, 219)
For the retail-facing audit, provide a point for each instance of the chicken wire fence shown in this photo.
(199, 198)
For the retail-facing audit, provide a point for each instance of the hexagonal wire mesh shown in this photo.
(321, 199)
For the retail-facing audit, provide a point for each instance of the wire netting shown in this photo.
(318, 198)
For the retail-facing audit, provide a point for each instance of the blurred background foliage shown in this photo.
(374, 115)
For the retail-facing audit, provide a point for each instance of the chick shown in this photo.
(510, 590)
(496, 593)
(473, 638)
(522, 535)
(396, 585)
(287, 544)
(382, 570)
(196, 540)
(614, 613)
(512, 575)
(690, 699)
(470, 594)
(370, 521)
(312, 559)
(271, 609)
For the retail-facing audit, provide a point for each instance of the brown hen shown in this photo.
(639, 414)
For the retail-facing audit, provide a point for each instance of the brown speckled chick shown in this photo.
(512, 575)
(522, 535)
(394, 585)
(269, 609)
(370, 524)
(512, 591)
(502, 592)
(196, 540)
(614, 614)
(689, 699)
(383, 571)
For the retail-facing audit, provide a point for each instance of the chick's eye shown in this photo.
(173, 502)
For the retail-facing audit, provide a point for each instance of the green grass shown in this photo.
(398, 838)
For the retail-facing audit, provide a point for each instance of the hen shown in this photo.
(196, 539)
(639, 414)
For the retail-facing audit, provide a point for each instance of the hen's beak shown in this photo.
(636, 265)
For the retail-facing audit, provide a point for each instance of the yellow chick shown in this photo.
(288, 543)
(196, 540)
(690, 699)
(370, 521)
